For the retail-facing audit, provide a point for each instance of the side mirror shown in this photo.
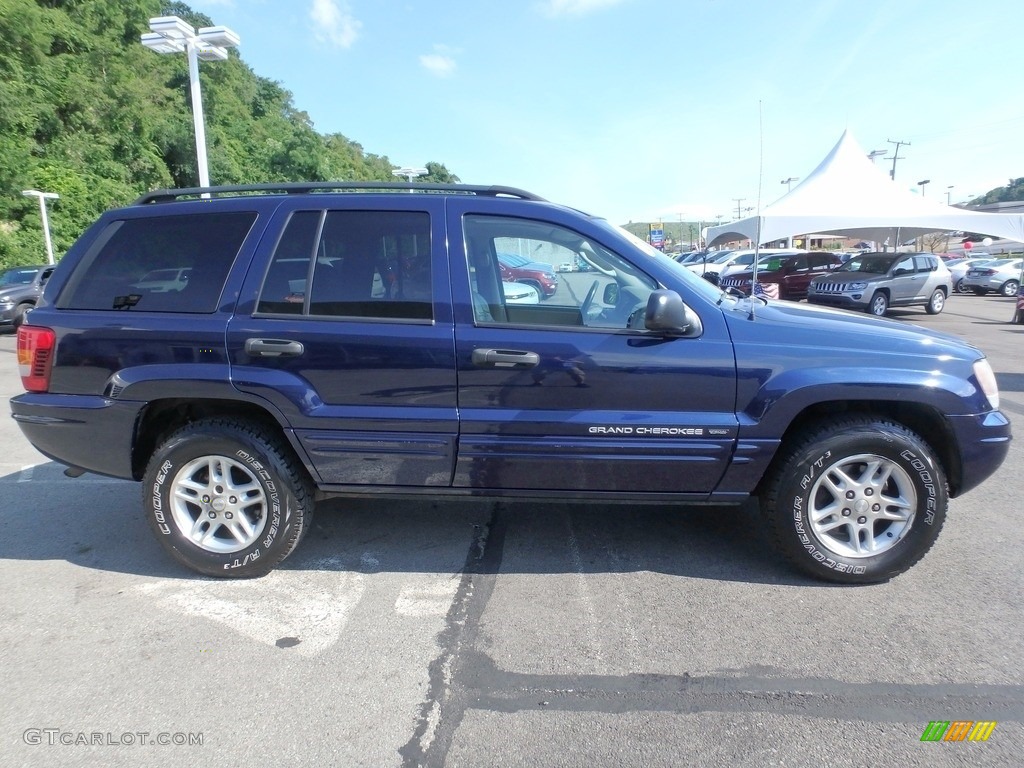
(611, 294)
(667, 314)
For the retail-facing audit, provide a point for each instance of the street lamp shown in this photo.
(876, 153)
(789, 182)
(409, 173)
(171, 34)
(948, 193)
(43, 197)
(922, 183)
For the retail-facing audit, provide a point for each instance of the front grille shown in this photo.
(830, 287)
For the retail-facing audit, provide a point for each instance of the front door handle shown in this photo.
(505, 358)
(273, 348)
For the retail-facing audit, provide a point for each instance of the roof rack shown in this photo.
(334, 187)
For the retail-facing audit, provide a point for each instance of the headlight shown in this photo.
(987, 380)
(855, 286)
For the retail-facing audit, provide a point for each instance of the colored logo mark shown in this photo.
(958, 730)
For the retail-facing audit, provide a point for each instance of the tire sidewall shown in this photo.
(878, 300)
(793, 505)
(284, 508)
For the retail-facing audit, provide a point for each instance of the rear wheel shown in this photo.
(936, 302)
(879, 304)
(856, 500)
(226, 498)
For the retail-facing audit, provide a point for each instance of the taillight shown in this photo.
(35, 357)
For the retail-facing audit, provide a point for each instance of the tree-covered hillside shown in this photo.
(89, 113)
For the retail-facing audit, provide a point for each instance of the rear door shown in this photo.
(344, 326)
(907, 283)
(569, 394)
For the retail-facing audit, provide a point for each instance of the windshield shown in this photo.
(18, 276)
(513, 259)
(874, 263)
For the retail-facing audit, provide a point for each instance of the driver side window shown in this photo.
(525, 272)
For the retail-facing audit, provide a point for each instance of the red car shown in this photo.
(519, 269)
(784, 277)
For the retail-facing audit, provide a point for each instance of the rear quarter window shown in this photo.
(159, 263)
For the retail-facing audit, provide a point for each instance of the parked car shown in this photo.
(783, 277)
(520, 293)
(238, 407)
(873, 282)
(958, 269)
(519, 269)
(20, 289)
(744, 260)
(160, 280)
(998, 275)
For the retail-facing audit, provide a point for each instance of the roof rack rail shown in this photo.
(317, 187)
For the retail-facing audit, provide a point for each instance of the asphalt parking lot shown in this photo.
(496, 633)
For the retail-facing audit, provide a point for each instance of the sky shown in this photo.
(653, 110)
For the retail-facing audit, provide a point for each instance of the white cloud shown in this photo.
(333, 23)
(439, 63)
(575, 7)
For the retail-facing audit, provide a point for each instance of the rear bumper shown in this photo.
(93, 433)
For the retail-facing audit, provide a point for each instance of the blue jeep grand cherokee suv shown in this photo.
(355, 338)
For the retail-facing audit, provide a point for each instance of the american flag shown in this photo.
(766, 290)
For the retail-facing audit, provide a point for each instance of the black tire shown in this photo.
(875, 459)
(936, 302)
(879, 304)
(20, 312)
(958, 287)
(226, 498)
(1009, 288)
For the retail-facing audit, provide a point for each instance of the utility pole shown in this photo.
(896, 155)
(738, 200)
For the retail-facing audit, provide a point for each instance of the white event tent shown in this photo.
(848, 195)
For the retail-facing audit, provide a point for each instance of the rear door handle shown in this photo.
(505, 358)
(273, 348)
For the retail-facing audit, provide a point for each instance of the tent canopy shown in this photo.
(848, 195)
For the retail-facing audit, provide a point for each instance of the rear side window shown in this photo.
(159, 264)
(358, 264)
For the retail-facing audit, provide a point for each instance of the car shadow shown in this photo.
(98, 523)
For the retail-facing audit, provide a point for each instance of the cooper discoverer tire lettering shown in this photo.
(226, 498)
(856, 500)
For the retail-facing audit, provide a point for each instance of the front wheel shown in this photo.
(226, 498)
(20, 313)
(856, 501)
(879, 304)
(936, 302)
(1009, 288)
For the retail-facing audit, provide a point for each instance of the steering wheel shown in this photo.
(587, 302)
(637, 317)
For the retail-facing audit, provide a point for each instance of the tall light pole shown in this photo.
(922, 183)
(789, 182)
(409, 173)
(171, 34)
(43, 197)
(876, 153)
(948, 193)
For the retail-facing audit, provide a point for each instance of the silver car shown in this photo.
(873, 282)
(999, 275)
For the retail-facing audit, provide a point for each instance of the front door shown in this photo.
(567, 392)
